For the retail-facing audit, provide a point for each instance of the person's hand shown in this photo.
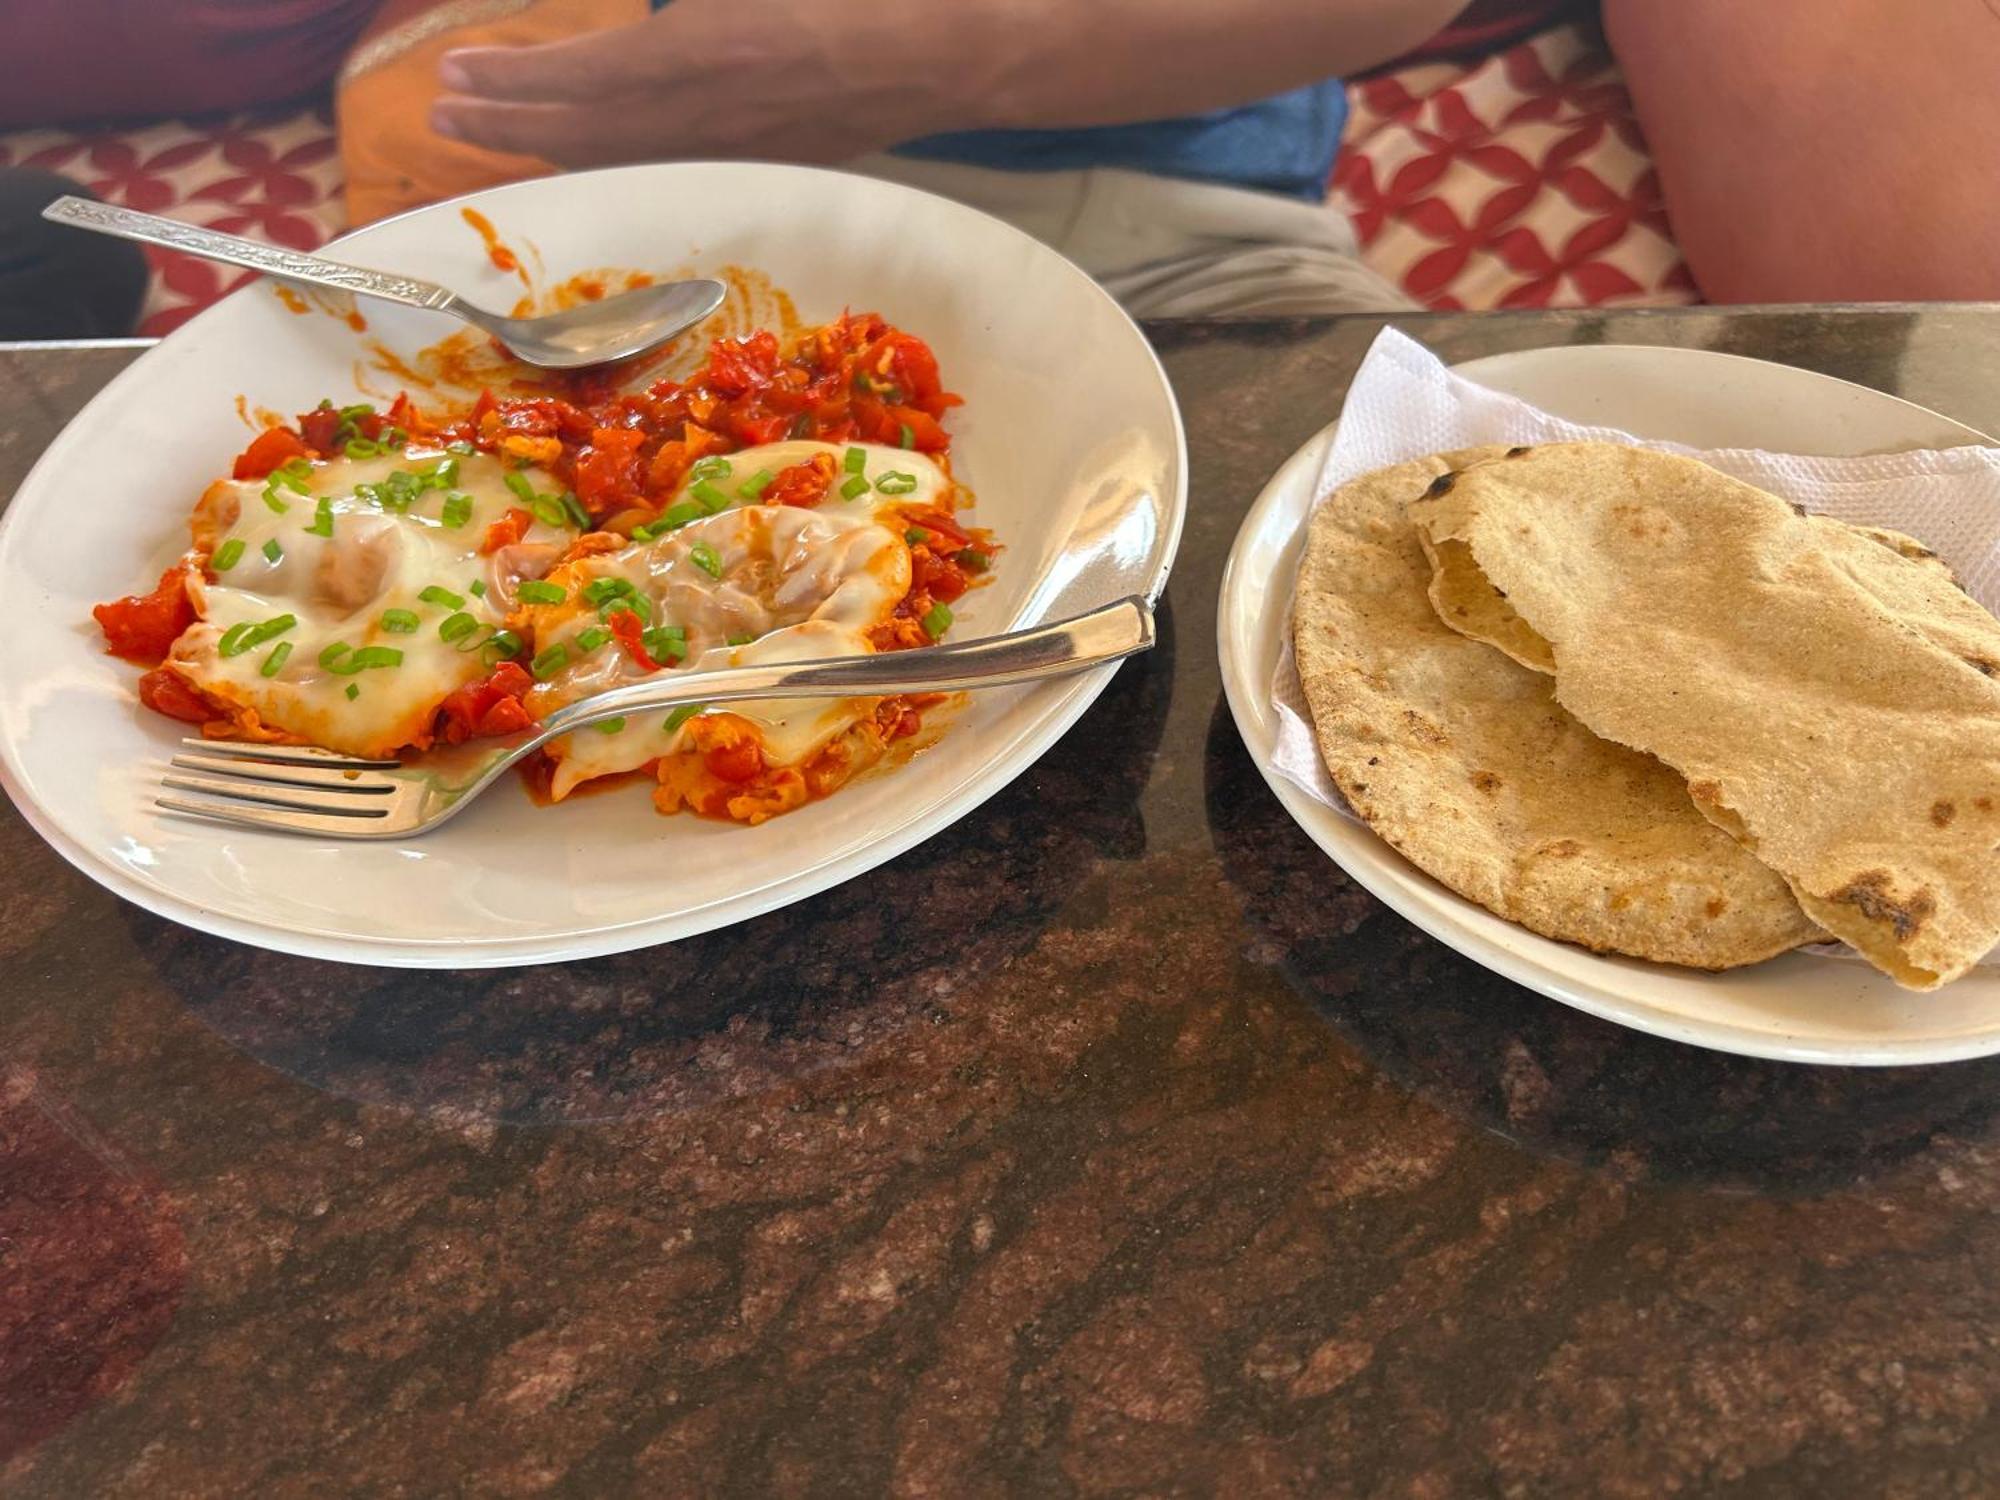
(797, 80)
(827, 80)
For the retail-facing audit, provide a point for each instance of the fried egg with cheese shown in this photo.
(346, 603)
(743, 583)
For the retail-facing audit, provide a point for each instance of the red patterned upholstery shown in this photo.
(1520, 181)
(1517, 181)
(270, 177)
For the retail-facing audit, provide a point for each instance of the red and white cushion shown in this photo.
(1518, 181)
(271, 177)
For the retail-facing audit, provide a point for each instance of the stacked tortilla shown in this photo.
(1629, 702)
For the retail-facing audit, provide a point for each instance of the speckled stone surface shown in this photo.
(1111, 1143)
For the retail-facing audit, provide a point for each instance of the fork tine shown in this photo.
(250, 815)
(367, 804)
(291, 755)
(286, 775)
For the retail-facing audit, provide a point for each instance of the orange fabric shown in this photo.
(392, 158)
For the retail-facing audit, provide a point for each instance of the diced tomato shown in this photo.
(626, 627)
(506, 531)
(143, 627)
(737, 367)
(319, 428)
(937, 576)
(925, 434)
(270, 449)
(607, 470)
(165, 691)
(803, 484)
(738, 762)
(938, 523)
(490, 706)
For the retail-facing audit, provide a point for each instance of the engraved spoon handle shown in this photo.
(210, 244)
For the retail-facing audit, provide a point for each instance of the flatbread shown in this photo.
(1464, 762)
(1832, 702)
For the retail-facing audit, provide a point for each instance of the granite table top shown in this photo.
(1111, 1143)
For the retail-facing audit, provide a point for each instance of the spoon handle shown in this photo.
(288, 265)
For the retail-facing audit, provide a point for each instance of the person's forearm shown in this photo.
(1104, 62)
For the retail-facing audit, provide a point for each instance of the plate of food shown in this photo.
(302, 521)
(1633, 732)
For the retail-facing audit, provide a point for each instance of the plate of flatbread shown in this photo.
(1637, 735)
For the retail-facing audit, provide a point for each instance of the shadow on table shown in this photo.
(1554, 1079)
(827, 982)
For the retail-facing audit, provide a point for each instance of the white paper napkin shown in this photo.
(1404, 404)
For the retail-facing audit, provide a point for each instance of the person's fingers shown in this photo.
(570, 135)
(580, 70)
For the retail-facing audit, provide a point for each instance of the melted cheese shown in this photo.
(339, 588)
(801, 583)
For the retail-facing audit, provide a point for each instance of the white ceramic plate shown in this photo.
(1069, 437)
(1799, 1007)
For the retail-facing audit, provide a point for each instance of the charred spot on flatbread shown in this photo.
(1869, 894)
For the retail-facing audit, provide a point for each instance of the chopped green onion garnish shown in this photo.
(400, 621)
(609, 726)
(461, 447)
(523, 489)
(399, 489)
(741, 640)
(443, 474)
(361, 447)
(333, 653)
(436, 594)
(370, 492)
(709, 497)
(637, 604)
(293, 474)
(357, 411)
(457, 627)
(906, 436)
(706, 558)
(677, 516)
(535, 591)
(502, 645)
(895, 482)
(715, 466)
(476, 588)
(274, 500)
(682, 714)
(854, 487)
(600, 589)
(227, 555)
(549, 662)
(353, 691)
(664, 642)
(365, 657)
(591, 638)
(642, 533)
(854, 460)
(937, 620)
(272, 550)
(240, 638)
(322, 522)
(457, 509)
(394, 437)
(916, 536)
(275, 660)
(753, 488)
(573, 508)
(549, 510)
(972, 559)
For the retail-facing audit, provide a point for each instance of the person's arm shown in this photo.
(822, 80)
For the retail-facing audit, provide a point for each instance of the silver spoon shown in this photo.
(592, 333)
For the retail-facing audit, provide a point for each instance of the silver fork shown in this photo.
(307, 789)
